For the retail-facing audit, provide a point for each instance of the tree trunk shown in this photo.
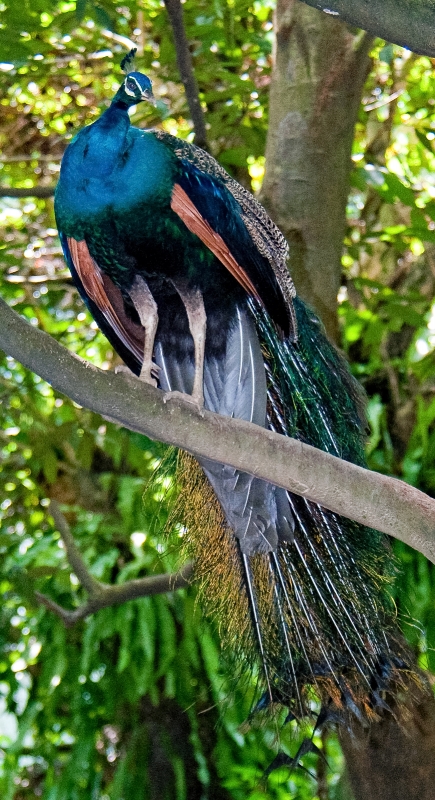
(391, 763)
(162, 757)
(320, 66)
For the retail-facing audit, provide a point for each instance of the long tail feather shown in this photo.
(300, 594)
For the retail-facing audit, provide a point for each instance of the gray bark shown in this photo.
(319, 70)
(410, 23)
(392, 762)
(378, 501)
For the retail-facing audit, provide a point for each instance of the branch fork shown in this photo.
(104, 595)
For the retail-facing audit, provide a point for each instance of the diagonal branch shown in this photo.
(34, 191)
(406, 22)
(73, 554)
(384, 503)
(103, 595)
(187, 74)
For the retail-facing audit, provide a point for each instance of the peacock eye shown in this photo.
(131, 85)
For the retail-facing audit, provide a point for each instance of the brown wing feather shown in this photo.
(182, 205)
(264, 233)
(107, 297)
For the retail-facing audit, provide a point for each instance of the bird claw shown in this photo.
(147, 375)
(122, 368)
(150, 373)
(198, 402)
(155, 370)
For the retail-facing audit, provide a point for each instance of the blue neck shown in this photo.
(106, 139)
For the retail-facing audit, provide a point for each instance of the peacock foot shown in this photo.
(194, 399)
(148, 373)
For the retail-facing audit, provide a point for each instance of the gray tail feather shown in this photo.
(313, 619)
(235, 386)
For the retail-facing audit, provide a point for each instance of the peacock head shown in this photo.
(135, 87)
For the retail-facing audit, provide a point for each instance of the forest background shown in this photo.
(134, 701)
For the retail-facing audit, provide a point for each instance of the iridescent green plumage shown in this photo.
(325, 618)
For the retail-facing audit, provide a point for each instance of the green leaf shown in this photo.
(102, 17)
(124, 619)
(422, 138)
(49, 465)
(80, 9)
(167, 641)
(404, 193)
(386, 54)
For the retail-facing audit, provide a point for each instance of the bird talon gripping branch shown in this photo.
(187, 398)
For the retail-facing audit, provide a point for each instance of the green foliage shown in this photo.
(387, 307)
(61, 50)
(127, 703)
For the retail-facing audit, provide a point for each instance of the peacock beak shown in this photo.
(148, 96)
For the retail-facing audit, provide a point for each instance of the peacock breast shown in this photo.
(96, 183)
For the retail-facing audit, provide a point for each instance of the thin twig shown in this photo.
(129, 44)
(34, 191)
(185, 66)
(140, 24)
(11, 159)
(35, 279)
(73, 554)
(103, 595)
(384, 102)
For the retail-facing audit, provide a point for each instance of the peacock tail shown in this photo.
(313, 620)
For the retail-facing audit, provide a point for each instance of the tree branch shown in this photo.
(24, 158)
(103, 595)
(73, 553)
(185, 66)
(384, 503)
(410, 23)
(34, 191)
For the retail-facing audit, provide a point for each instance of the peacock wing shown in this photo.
(237, 229)
(105, 302)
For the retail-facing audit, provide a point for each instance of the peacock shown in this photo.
(186, 275)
